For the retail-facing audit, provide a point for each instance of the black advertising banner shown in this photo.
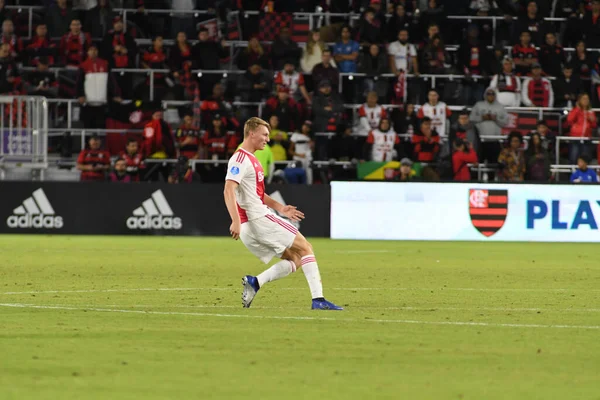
(141, 209)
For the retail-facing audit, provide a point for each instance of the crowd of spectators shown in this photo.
(520, 62)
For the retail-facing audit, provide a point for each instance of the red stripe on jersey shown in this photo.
(279, 222)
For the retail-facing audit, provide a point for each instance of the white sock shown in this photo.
(313, 276)
(280, 270)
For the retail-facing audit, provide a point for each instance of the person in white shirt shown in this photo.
(301, 145)
(437, 111)
(507, 85)
(403, 55)
(312, 53)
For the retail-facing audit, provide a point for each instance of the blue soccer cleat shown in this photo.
(322, 304)
(251, 287)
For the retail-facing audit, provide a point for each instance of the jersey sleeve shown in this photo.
(236, 168)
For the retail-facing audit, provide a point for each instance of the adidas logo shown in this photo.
(155, 213)
(36, 212)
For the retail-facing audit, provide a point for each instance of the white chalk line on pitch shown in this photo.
(407, 308)
(235, 288)
(220, 315)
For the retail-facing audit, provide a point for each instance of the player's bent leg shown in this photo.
(303, 250)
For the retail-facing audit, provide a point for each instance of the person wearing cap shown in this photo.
(583, 174)
(552, 56)
(284, 107)
(507, 85)
(566, 87)
(95, 86)
(41, 82)
(74, 44)
(489, 116)
(524, 54)
(537, 90)
(93, 162)
(405, 172)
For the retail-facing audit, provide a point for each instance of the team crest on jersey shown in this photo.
(488, 210)
(235, 170)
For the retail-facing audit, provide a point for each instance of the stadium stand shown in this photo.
(497, 70)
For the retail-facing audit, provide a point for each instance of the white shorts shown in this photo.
(267, 237)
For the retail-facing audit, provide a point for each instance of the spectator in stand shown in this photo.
(433, 15)
(219, 146)
(300, 150)
(398, 22)
(206, 55)
(156, 58)
(58, 18)
(552, 56)
(583, 174)
(405, 172)
(312, 54)
(119, 173)
(591, 25)
(383, 143)
(489, 116)
(537, 90)
(582, 63)
(182, 172)
(294, 81)
(370, 115)
(327, 113)
(484, 8)
(253, 85)
(403, 61)
(326, 71)
(374, 63)
(531, 22)
(93, 162)
(285, 108)
(432, 31)
(426, 142)
(10, 79)
(278, 140)
(497, 59)
(507, 85)
(346, 52)
(435, 58)
(473, 59)
(548, 137)
(183, 21)
(40, 46)
(524, 54)
(462, 156)
(188, 137)
(437, 111)
(284, 49)
(134, 160)
(512, 159)
(9, 37)
(346, 146)
(370, 30)
(159, 144)
(217, 104)
(254, 53)
(74, 45)
(41, 82)
(181, 53)
(405, 119)
(465, 130)
(583, 123)
(119, 49)
(95, 86)
(99, 19)
(538, 160)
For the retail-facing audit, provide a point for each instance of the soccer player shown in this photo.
(262, 232)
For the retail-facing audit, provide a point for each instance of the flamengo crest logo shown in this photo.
(35, 212)
(155, 213)
(488, 210)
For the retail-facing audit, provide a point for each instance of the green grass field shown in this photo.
(161, 318)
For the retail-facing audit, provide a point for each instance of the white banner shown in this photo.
(453, 211)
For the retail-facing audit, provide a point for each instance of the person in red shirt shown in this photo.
(524, 54)
(582, 121)
(74, 45)
(119, 173)
(40, 46)
(93, 162)
(426, 143)
(134, 160)
(119, 49)
(462, 156)
(158, 144)
(188, 137)
(9, 37)
(219, 145)
(156, 58)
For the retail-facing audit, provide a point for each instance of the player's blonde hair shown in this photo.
(253, 123)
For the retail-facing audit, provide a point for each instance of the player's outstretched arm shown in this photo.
(290, 212)
(230, 203)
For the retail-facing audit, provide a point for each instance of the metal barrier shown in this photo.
(24, 133)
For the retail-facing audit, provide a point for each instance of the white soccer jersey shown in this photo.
(402, 54)
(292, 81)
(439, 115)
(383, 144)
(245, 169)
(370, 117)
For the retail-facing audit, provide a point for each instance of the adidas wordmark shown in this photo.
(155, 213)
(35, 212)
